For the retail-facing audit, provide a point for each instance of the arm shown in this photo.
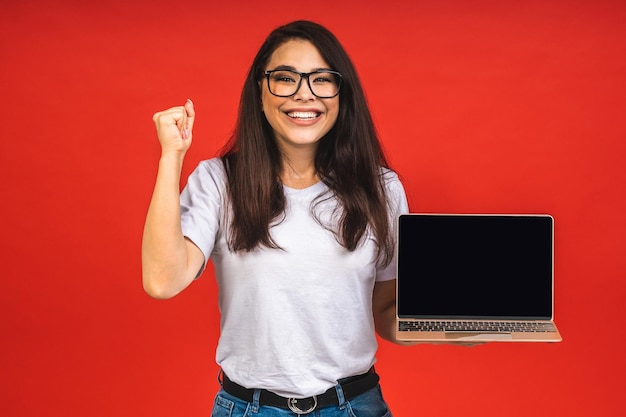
(169, 261)
(384, 310)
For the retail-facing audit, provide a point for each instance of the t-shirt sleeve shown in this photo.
(397, 201)
(201, 203)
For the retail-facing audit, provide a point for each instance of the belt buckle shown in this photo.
(292, 403)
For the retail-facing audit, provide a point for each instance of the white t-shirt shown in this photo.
(293, 321)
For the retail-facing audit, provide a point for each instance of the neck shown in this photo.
(298, 171)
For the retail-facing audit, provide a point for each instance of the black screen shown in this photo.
(475, 266)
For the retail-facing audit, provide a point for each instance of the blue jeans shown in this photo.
(368, 404)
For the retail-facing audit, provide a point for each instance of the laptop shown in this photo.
(476, 278)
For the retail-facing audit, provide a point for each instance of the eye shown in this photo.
(323, 78)
(283, 77)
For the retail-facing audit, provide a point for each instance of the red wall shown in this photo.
(485, 106)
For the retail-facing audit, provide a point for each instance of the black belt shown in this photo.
(351, 387)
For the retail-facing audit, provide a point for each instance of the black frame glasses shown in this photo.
(301, 76)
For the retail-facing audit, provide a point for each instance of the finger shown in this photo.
(181, 120)
(190, 114)
(174, 115)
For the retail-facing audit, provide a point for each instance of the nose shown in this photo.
(304, 91)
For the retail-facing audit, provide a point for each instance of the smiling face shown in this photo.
(301, 120)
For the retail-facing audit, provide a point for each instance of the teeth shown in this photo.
(302, 115)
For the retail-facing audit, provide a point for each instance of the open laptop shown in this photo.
(476, 277)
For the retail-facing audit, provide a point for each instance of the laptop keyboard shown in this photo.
(473, 326)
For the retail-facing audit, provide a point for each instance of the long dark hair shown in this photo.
(349, 158)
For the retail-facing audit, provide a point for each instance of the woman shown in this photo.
(298, 217)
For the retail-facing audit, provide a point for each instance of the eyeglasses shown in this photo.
(286, 83)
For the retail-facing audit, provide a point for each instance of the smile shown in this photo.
(309, 115)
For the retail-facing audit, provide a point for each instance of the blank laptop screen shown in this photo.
(475, 266)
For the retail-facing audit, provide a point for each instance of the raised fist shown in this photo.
(174, 127)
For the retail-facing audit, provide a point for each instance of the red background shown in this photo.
(483, 106)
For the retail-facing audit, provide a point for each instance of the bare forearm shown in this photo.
(384, 309)
(385, 322)
(164, 253)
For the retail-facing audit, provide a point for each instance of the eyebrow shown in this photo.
(291, 68)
